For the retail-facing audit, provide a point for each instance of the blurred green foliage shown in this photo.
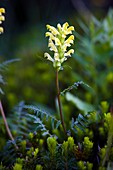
(94, 54)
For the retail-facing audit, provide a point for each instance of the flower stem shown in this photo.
(59, 102)
(6, 124)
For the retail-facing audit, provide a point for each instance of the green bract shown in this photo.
(58, 43)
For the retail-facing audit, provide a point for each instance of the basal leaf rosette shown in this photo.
(60, 39)
(2, 18)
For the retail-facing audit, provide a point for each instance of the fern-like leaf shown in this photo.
(6, 63)
(74, 86)
(41, 115)
(3, 66)
(8, 155)
(20, 122)
(81, 122)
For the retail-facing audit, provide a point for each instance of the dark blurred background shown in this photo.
(20, 15)
(23, 15)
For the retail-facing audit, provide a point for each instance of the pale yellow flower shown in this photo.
(53, 30)
(59, 27)
(56, 57)
(69, 41)
(71, 51)
(2, 10)
(48, 34)
(59, 44)
(70, 29)
(46, 55)
(1, 30)
(66, 29)
(52, 46)
(2, 18)
(65, 25)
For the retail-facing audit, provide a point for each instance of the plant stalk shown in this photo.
(59, 102)
(6, 124)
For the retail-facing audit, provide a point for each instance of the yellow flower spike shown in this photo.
(2, 18)
(59, 44)
(53, 30)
